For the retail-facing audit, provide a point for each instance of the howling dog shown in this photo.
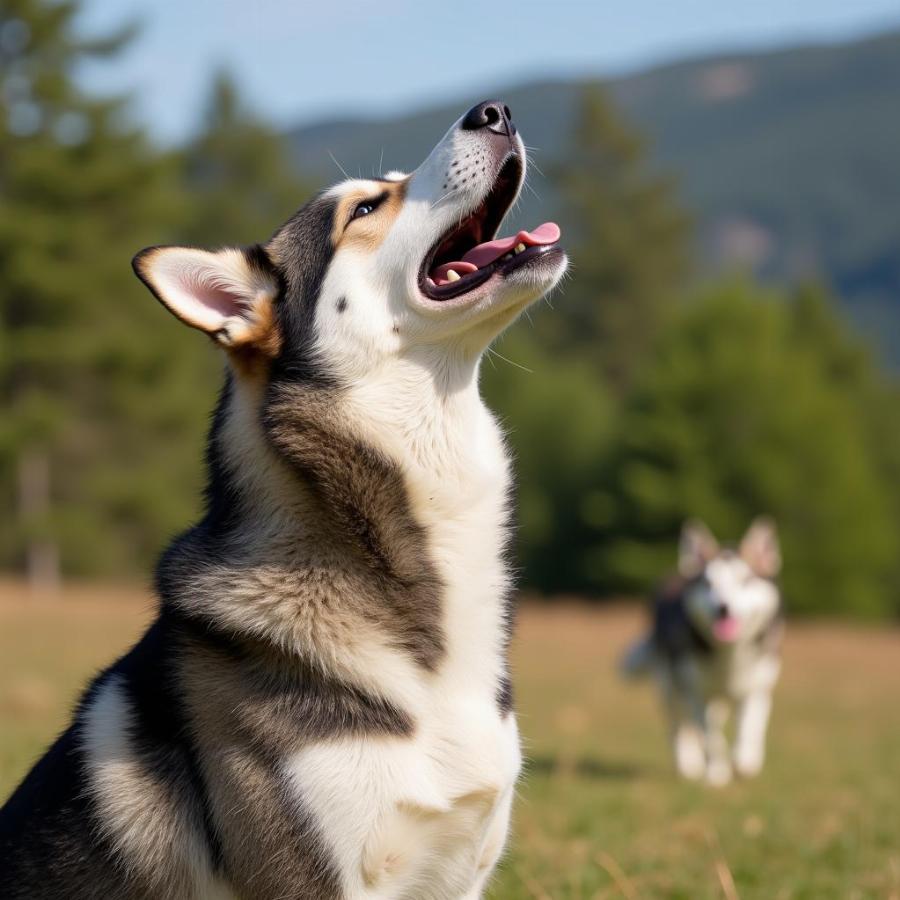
(715, 643)
(321, 708)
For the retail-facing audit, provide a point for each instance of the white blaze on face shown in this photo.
(732, 603)
(372, 307)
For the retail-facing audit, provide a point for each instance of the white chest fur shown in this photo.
(420, 817)
(737, 672)
(451, 453)
(426, 816)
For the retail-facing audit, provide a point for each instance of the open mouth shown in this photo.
(469, 254)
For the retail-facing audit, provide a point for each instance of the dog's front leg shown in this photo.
(684, 712)
(687, 744)
(492, 848)
(718, 761)
(750, 740)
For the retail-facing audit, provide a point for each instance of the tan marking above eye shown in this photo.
(367, 232)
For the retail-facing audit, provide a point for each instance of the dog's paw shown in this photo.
(691, 768)
(748, 764)
(690, 758)
(718, 773)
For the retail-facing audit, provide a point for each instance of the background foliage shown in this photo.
(648, 392)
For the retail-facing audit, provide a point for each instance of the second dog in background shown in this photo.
(714, 646)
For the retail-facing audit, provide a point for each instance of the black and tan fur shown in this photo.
(171, 781)
(199, 683)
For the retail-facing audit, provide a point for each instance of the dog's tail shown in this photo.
(638, 660)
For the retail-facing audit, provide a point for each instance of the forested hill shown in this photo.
(789, 160)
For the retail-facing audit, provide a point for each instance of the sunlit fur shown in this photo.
(325, 691)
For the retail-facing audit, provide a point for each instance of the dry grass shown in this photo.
(48, 650)
(600, 815)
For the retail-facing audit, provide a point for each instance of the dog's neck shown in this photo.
(423, 409)
(400, 480)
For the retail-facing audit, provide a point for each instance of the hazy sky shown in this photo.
(298, 61)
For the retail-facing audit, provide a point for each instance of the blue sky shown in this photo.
(298, 61)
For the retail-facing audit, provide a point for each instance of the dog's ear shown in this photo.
(229, 293)
(760, 548)
(696, 548)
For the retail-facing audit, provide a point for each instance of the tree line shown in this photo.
(642, 393)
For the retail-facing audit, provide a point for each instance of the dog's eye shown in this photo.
(367, 206)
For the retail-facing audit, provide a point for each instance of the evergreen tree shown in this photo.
(559, 418)
(101, 442)
(629, 244)
(739, 415)
(237, 174)
(850, 368)
(96, 417)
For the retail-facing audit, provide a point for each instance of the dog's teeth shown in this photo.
(519, 248)
(452, 275)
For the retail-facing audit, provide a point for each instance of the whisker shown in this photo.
(529, 158)
(334, 160)
(493, 352)
(533, 191)
(441, 199)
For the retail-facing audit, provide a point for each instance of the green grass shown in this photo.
(600, 813)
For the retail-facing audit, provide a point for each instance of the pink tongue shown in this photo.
(484, 254)
(726, 629)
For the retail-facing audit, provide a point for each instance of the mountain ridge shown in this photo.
(789, 159)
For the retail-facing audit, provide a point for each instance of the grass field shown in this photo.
(600, 814)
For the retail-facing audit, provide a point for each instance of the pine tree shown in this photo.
(629, 244)
(105, 398)
(237, 174)
(737, 415)
(850, 368)
(80, 191)
(559, 420)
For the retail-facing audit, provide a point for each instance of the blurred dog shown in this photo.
(321, 709)
(715, 644)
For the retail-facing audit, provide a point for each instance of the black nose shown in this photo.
(493, 115)
(722, 611)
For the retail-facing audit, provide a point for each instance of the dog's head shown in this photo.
(732, 595)
(374, 268)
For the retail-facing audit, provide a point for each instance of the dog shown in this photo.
(714, 645)
(322, 707)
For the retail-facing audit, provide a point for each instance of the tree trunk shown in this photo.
(41, 552)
